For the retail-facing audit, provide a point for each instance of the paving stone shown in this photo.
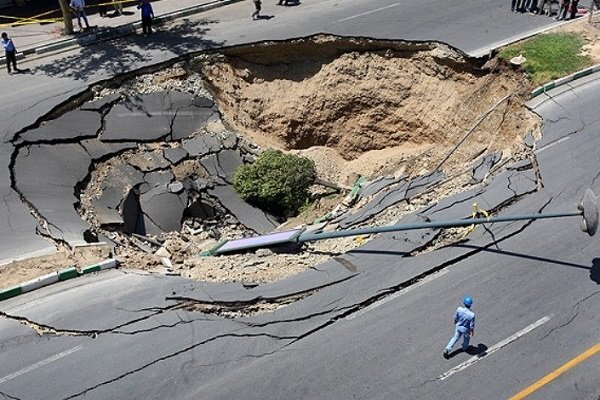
(97, 149)
(249, 216)
(71, 125)
(99, 104)
(174, 155)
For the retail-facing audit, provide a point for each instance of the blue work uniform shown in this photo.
(464, 319)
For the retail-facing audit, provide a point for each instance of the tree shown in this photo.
(67, 17)
(276, 182)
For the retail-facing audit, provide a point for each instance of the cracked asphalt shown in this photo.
(124, 335)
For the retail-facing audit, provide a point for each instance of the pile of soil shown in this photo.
(370, 111)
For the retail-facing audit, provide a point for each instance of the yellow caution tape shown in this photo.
(478, 212)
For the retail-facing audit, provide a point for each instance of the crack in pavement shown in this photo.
(572, 318)
(175, 354)
(396, 288)
(8, 396)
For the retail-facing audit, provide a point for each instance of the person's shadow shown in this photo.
(595, 270)
(479, 351)
(266, 17)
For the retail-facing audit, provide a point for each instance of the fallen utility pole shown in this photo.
(587, 209)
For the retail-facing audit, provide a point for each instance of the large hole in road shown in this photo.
(354, 106)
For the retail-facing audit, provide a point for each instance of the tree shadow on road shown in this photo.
(117, 56)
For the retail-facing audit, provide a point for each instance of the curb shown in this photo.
(566, 79)
(54, 277)
(126, 29)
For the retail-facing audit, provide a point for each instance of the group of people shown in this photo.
(541, 7)
(78, 8)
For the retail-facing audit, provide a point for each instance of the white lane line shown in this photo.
(40, 364)
(397, 294)
(495, 348)
(368, 12)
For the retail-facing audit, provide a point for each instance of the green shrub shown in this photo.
(550, 56)
(276, 182)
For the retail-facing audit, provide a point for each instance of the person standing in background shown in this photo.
(147, 15)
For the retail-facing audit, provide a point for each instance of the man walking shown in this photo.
(256, 13)
(10, 52)
(464, 320)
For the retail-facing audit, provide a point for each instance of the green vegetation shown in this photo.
(550, 56)
(276, 182)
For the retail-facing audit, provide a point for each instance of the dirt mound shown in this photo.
(418, 98)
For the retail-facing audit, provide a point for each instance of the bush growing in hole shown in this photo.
(276, 182)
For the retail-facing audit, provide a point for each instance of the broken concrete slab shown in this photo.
(394, 194)
(42, 172)
(216, 173)
(521, 165)
(99, 104)
(251, 217)
(175, 187)
(149, 161)
(483, 166)
(146, 117)
(157, 178)
(423, 183)
(105, 215)
(374, 187)
(229, 161)
(175, 154)
(202, 145)
(189, 121)
(76, 124)
(111, 197)
(230, 140)
(97, 150)
(162, 209)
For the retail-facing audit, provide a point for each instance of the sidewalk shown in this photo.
(38, 38)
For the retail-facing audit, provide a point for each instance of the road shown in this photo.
(366, 328)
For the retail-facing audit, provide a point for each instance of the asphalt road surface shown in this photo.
(372, 324)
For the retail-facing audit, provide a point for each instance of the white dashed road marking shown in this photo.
(495, 348)
(39, 364)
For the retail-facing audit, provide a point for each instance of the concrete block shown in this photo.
(37, 283)
(10, 292)
(68, 273)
